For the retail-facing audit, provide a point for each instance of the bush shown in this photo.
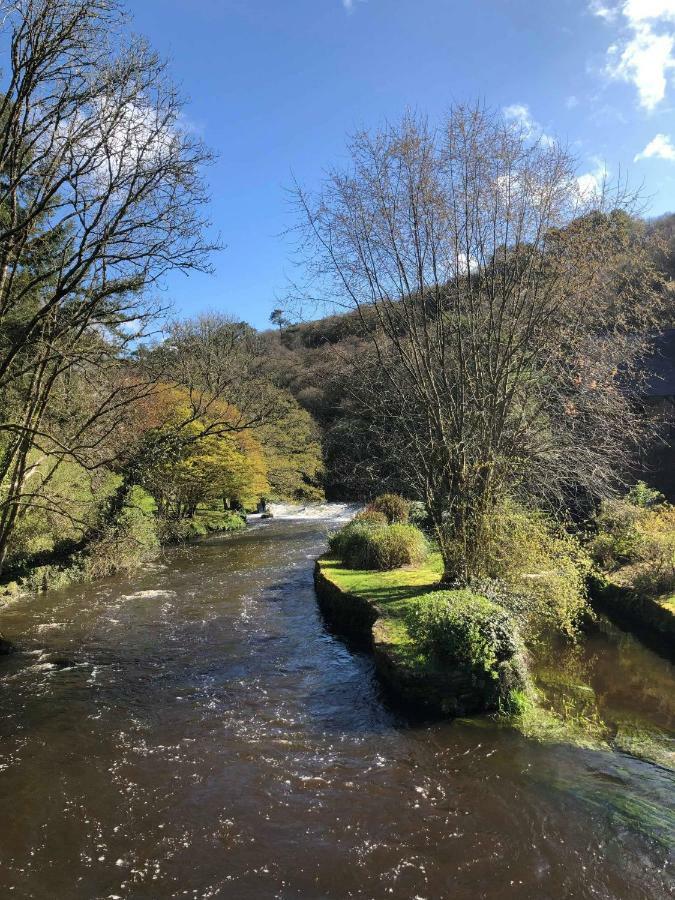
(643, 496)
(174, 531)
(628, 530)
(393, 506)
(205, 521)
(361, 545)
(399, 545)
(638, 531)
(352, 544)
(125, 545)
(540, 565)
(619, 539)
(418, 514)
(474, 635)
(372, 517)
(658, 529)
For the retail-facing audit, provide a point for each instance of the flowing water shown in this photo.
(197, 732)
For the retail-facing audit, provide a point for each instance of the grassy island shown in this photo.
(486, 645)
(387, 609)
(555, 704)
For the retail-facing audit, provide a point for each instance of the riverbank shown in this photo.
(69, 564)
(72, 565)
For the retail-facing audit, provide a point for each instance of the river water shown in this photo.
(197, 732)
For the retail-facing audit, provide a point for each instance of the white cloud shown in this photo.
(661, 147)
(603, 11)
(571, 101)
(590, 184)
(520, 115)
(641, 10)
(645, 51)
(644, 60)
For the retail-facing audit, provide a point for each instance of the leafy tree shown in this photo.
(293, 454)
(278, 319)
(184, 460)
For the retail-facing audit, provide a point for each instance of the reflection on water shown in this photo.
(198, 733)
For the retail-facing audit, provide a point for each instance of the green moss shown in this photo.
(656, 747)
(537, 720)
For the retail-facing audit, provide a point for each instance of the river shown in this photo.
(197, 732)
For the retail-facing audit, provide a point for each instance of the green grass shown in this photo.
(393, 594)
(390, 591)
(668, 602)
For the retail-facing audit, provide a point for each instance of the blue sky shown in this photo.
(275, 85)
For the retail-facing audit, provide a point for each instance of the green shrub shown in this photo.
(53, 577)
(475, 636)
(125, 545)
(372, 517)
(618, 539)
(361, 545)
(393, 506)
(174, 531)
(656, 575)
(418, 514)
(637, 531)
(398, 545)
(353, 545)
(462, 626)
(540, 565)
(205, 521)
(643, 496)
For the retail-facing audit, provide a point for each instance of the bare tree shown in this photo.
(100, 196)
(219, 362)
(506, 311)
